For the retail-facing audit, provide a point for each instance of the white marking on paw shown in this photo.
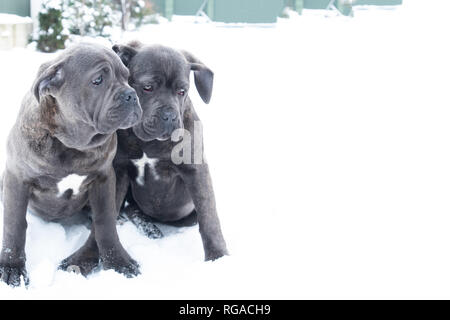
(140, 165)
(72, 181)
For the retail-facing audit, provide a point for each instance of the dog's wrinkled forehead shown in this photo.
(83, 58)
(160, 60)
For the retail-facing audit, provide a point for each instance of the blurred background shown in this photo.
(50, 23)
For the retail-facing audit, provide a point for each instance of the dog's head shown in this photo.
(160, 76)
(89, 88)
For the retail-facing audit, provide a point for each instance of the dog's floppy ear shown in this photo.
(203, 77)
(50, 78)
(125, 53)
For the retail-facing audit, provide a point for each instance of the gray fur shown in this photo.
(169, 192)
(67, 125)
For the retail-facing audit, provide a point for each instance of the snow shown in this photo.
(6, 18)
(327, 139)
(53, 4)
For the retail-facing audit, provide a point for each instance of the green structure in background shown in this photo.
(250, 11)
(378, 2)
(18, 7)
(345, 7)
(255, 11)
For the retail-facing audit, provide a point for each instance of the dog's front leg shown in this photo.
(122, 185)
(103, 203)
(12, 257)
(85, 259)
(199, 185)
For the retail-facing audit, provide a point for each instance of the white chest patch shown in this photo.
(140, 165)
(72, 181)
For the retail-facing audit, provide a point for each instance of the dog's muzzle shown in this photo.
(128, 112)
(162, 123)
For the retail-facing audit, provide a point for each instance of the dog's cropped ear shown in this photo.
(50, 78)
(125, 53)
(203, 77)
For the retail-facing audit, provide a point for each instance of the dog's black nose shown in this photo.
(128, 96)
(169, 115)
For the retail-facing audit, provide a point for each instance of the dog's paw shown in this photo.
(79, 265)
(122, 264)
(14, 275)
(149, 229)
(214, 254)
(142, 222)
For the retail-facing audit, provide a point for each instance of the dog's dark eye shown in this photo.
(148, 88)
(181, 92)
(97, 81)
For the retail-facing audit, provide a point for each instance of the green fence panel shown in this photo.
(19, 7)
(378, 2)
(322, 4)
(315, 4)
(210, 9)
(188, 8)
(296, 5)
(251, 11)
(159, 6)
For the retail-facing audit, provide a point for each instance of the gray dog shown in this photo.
(60, 153)
(160, 189)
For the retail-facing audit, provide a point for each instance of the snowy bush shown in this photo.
(97, 17)
(141, 11)
(60, 18)
(52, 35)
(90, 17)
(133, 13)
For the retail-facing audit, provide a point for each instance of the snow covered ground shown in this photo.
(328, 141)
(12, 19)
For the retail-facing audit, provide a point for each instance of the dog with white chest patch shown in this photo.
(158, 188)
(60, 153)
